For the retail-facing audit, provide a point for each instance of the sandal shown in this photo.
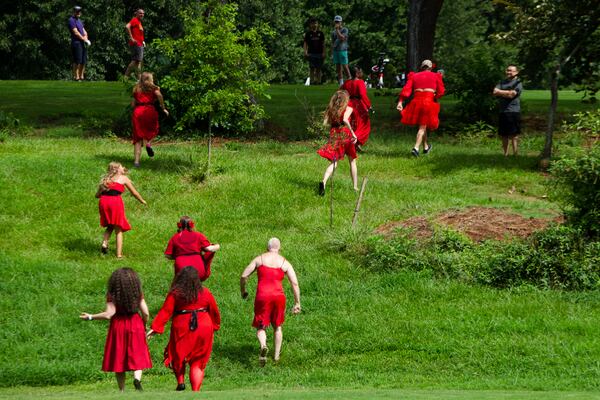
(262, 358)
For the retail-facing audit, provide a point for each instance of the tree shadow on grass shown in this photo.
(449, 163)
(82, 245)
(245, 355)
(166, 163)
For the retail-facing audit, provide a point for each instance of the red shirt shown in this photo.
(205, 299)
(137, 31)
(357, 89)
(186, 243)
(423, 80)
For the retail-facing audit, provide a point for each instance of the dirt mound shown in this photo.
(479, 223)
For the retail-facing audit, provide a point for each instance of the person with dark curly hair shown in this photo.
(190, 248)
(269, 303)
(126, 348)
(195, 318)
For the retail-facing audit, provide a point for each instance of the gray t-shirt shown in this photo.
(340, 45)
(510, 105)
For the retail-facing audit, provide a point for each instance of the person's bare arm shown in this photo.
(144, 311)
(161, 100)
(128, 29)
(213, 247)
(106, 314)
(244, 278)
(134, 192)
(340, 35)
(507, 94)
(305, 46)
(291, 275)
(85, 34)
(347, 123)
(78, 35)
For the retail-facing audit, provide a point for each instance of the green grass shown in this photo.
(374, 334)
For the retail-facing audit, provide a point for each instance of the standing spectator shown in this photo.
(426, 87)
(339, 37)
(508, 92)
(269, 303)
(314, 50)
(136, 43)
(79, 39)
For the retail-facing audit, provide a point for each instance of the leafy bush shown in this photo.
(577, 179)
(477, 132)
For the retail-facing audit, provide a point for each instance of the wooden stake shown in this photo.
(360, 196)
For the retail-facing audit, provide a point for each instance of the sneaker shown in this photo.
(427, 150)
(136, 165)
(138, 385)
(321, 189)
(104, 249)
(149, 151)
(262, 358)
(414, 152)
(180, 387)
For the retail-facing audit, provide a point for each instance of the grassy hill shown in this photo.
(359, 329)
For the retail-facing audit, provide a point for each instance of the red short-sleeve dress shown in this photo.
(269, 304)
(145, 117)
(186, 247)
(111, 208)
(339, 144)
(422, 109)
(360, 103)
(126, 348)
(192, 329)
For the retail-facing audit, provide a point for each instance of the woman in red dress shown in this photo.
(423, 110)
(145, 118)
(112, 210)
(126, 348)
(191, 249)
(269, 304)
(342, 138)
(195, 318)
(360, 103)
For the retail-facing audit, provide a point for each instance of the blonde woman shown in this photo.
(112, 210)
(342, 138)
(145, 118)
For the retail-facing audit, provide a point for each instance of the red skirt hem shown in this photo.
(422, 110)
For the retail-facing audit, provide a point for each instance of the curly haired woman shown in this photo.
(126, 348)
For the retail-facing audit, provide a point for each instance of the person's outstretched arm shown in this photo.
(245, 275)
(134, 192)
(347, 114)
(106, 314)
(291, 275)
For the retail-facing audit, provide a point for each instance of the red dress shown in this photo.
(144, 118)
(340, 142)
(126, 348)
(360, 103)
(186, 248)
(112, 210)
(269, 304)
(188, 346)
(422, 109)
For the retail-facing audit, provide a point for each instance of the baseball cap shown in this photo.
(427, 63)
(76, 8)
(337, 18)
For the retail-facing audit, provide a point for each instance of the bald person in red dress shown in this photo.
(269, 303)
(423, 110)
(195, 317)
(191, 249)
(360, 103)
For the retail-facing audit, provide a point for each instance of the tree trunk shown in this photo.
(547, 152)
(422, 19)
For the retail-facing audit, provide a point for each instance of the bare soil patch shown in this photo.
(479, 223)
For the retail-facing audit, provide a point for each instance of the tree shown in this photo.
(422, 19)
(549, 33)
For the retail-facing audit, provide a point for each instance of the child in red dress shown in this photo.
(269, 304)
(360, 103)
(191, 249)
(342, 138)
(112, 210)
(195, 317)
(126, 348)
(145, 118)
(423, 110)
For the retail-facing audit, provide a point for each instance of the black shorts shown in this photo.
(78, 53)
(315, 60)
(509, 124)
(137, 53)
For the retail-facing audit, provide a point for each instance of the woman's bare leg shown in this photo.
(106, 236)
(277, 341)
(137, 151)
(119, 236)
(354, 173)
(120, 380)
(328, 172)
(420, 135)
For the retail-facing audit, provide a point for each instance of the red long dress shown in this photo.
(126, 348)
(422, 109)
(144, 118)
(188, 346)
(269, 304)
(186, 248)
(360, 103)
(112, 210)
(340, 142)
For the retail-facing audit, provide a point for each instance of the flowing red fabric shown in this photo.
(269, 304)
(339, 144)
(360, 103)
(145, 118)
(112, 209)
(186, 247)
(186, 346)
(422, 110)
